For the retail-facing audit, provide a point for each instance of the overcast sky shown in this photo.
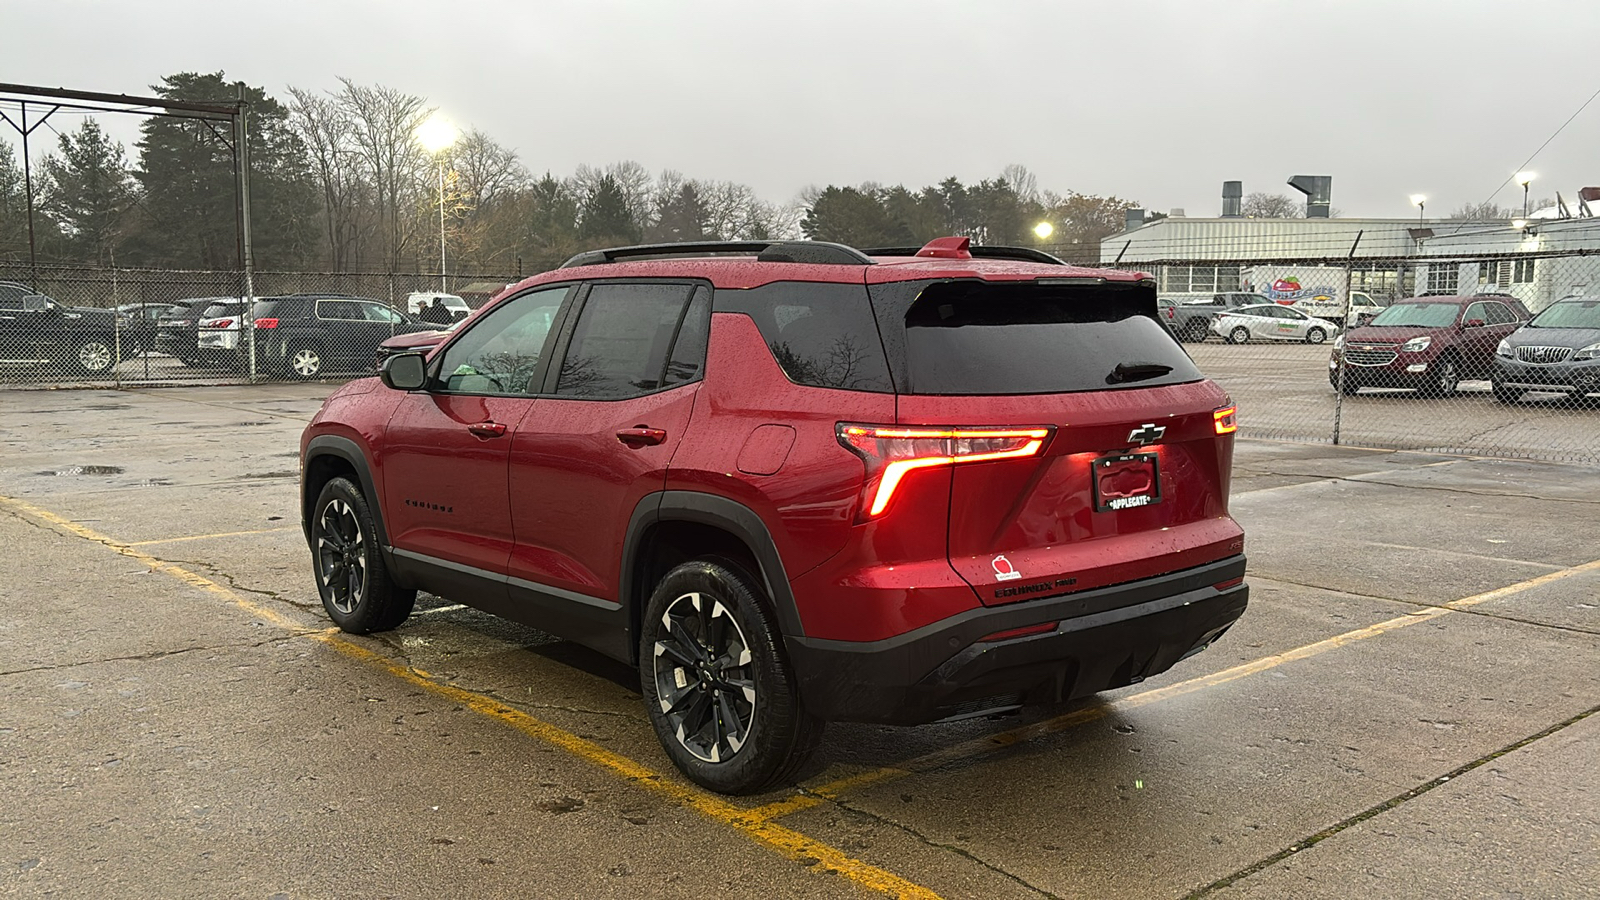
(1157, 101)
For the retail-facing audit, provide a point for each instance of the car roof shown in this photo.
(743, 267)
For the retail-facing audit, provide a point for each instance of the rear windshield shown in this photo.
(222, 309)
(1570, 314)
(1417, 315)
(979, 338)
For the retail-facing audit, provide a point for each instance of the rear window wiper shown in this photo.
(1126, 372)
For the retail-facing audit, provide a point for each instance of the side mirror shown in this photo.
(404, 372)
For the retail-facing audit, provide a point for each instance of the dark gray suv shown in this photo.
(1558, 351)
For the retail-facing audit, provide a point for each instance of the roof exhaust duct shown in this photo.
(1318, 190)
(1232, 199)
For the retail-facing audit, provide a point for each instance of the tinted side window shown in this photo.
(1479, 311)
(341, 310)
(620, 346)
(821, 334)
(689, 350)
(377, 312)
(500, 354)
(1500, 314)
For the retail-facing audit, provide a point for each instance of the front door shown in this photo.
(582, 460)
(446, 448)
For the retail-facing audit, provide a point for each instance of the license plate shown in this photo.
(1127, 481)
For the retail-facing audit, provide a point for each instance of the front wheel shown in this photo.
(1446, 379)
(1239, 335)
(1316, 336)
(357, 590)
(717, 684)
(94, 357)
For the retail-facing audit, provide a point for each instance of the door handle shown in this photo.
(641, 436)
(487, 429)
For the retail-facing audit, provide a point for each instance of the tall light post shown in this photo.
(1525, 179)
(437, 135)
(1419, 202)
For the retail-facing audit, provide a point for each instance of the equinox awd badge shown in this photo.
(1147, 433)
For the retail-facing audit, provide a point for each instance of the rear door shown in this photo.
(581, 460)
(1132, 480)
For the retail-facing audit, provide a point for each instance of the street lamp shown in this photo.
(1524, 179)
(1419, 201)
(437, 135)
(1044, 230)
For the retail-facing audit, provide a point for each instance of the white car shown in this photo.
(1270, 321)
(217, 332)
(458, 307)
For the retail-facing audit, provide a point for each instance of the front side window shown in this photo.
(502, 351)
(1477, 312)
(623, 340)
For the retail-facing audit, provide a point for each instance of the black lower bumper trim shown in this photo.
(946, 671)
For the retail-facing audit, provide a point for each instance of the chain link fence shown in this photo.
(63, 325)
(1485, 353)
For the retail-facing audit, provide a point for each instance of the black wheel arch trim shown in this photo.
(351, 452)
(720, 512)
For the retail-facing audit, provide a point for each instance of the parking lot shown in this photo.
(1407, 710)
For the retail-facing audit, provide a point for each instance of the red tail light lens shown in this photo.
(892, 451)
(218, 323)
(1226, 419)
(267, 323)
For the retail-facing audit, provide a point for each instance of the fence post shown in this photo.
(1338, 389)
(246, 251)
(116, 330)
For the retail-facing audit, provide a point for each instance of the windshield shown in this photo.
(1569, 314)
(1416, 315)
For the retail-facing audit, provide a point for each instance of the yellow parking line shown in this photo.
(220, 534)
(786, 842)
(814, 796)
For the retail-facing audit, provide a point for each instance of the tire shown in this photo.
(94, 357)
(1316, 336)
(1239, 335)
(1446, 379)
(737, 733)
(1506, 394)
(357, 589)
(305, 362)
(1196, 331)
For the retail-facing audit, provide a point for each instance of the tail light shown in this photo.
(1226, 419)
(217, 323)
(891, 452)
(1172, 313)
(267, 323)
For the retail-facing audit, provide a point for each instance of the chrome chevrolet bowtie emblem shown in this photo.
(1147, 433)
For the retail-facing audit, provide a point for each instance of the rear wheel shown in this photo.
(1196, 331)
(1239, 335)
(716, 683)
(1316, 336)
(357, 590)
(305, 362)
(94, 357)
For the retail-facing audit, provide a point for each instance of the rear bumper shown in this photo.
(946, 670)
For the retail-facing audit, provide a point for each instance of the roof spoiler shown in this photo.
(809, 252)
(1022, 254)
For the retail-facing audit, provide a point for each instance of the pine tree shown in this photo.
(87, 193)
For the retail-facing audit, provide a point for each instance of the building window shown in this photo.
(1494, 272)
(1522, 272)
(1199, 279)
(1378, 280)
(1443, 278)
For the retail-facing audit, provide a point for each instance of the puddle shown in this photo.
(84, 470)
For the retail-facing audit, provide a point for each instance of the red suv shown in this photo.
(791, 482)
(1429, 344)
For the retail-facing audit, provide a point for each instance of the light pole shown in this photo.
(1419, 201)
(1524, 179)
(437, 135)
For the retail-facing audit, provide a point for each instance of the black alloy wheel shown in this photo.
(341, 556)
(1446, 378)
(704, 682)
(357, 589)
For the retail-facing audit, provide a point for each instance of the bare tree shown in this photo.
(1261, 205)
(486, 171)
(383, 129)
(325, 128)
(1022, 182)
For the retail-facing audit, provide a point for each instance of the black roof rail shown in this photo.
(813, 252)
(1023, 254)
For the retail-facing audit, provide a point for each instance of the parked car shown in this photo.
(1191, 316)
(140, 324)
(1272, 322)
(416, 341)
(714, 469)
(456, 307)
(218, 333)
(1427, 344)
(35, 330)
(1559, 350)
(307, 335)
(177, 333)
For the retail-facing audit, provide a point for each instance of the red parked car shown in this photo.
(1428, 344)
(791, 482)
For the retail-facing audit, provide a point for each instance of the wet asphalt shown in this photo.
(1407, 710)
